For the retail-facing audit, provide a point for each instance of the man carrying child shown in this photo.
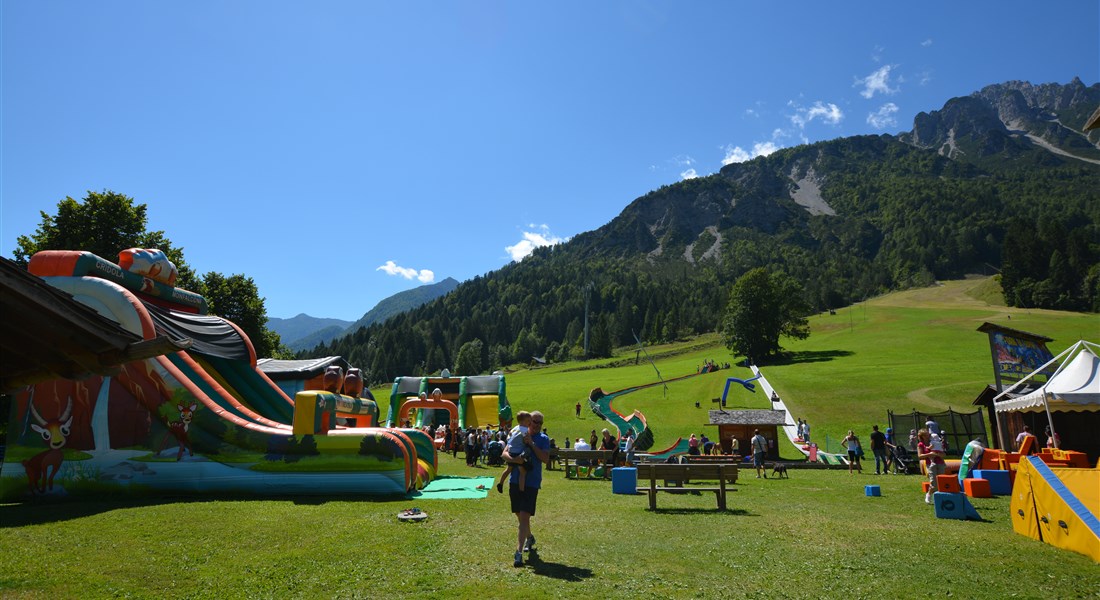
(517, 450)
(523, 500)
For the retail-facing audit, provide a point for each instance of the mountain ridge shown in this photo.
(303, 332)
(848, 218)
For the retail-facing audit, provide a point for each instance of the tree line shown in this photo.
(106, 223)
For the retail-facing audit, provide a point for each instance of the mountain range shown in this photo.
(303, 332)
(1001, 179)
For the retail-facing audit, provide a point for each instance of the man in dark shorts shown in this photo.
(523, 503)
(759, 452)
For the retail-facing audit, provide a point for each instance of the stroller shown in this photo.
(495, 453)
(904, 461)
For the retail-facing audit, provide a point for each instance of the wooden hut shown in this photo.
(740, 424)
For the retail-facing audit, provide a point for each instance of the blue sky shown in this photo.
(340, 152)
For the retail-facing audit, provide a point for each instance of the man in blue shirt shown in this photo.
(523, 502)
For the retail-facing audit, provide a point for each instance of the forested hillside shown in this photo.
(997, 181)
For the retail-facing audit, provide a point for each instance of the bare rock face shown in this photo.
(1016, 119)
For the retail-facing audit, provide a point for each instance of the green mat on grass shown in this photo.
(451, 488)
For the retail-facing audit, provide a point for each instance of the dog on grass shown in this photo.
(780, 470)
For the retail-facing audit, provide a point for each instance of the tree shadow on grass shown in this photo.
(557, 570)
(40, 510)
(808, 356)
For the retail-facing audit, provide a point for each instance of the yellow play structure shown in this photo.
(1058, 505)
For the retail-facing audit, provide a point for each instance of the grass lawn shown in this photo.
(815, 535)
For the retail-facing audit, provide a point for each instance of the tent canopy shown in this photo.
(1075, 387)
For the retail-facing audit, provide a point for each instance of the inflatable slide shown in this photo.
(600, 404)
(203, 420)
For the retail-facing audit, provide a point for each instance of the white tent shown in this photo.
(1074, 386)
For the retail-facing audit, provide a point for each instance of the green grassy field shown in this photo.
(917, 349)
(815, 535)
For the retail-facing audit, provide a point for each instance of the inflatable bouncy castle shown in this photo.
(472, 401)
(201, 420)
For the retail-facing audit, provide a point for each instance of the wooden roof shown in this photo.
(46, 334)
(748, 417)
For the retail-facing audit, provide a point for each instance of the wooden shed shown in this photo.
(740, 424)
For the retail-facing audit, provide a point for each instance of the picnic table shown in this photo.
(675, 475)
(589, 458)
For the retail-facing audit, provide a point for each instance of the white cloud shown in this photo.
(682, 160)
(737, 154)
(828, 112)
(423, 275)
(689, 174)
(876, 83)
(532, 240)
(926, 43)
(884, 116)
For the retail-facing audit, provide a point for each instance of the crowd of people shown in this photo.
(710, 366)
(480, 445)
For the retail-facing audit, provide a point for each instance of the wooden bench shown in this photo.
(712, 458)
(685, 472)
(594, 458)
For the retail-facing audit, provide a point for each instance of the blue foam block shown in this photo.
(952, 505)
(872, 490)
(624, 480)
(999, 482)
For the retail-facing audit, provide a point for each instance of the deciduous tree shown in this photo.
(103, 223)
(106, 223)
(762, 307)
(468, 361)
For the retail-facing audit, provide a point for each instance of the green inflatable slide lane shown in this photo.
(256, 392)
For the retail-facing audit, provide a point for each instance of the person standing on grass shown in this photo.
(759, 451)
(932, 456)
(693, 445)
(471, 446)
(610, 443)
(891, 445)
(851, 444)
(524, 502)
(578, 410)
(630, 447)
(805, 431)
(878, 448)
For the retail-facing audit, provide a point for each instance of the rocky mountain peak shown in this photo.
(1015, 118)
